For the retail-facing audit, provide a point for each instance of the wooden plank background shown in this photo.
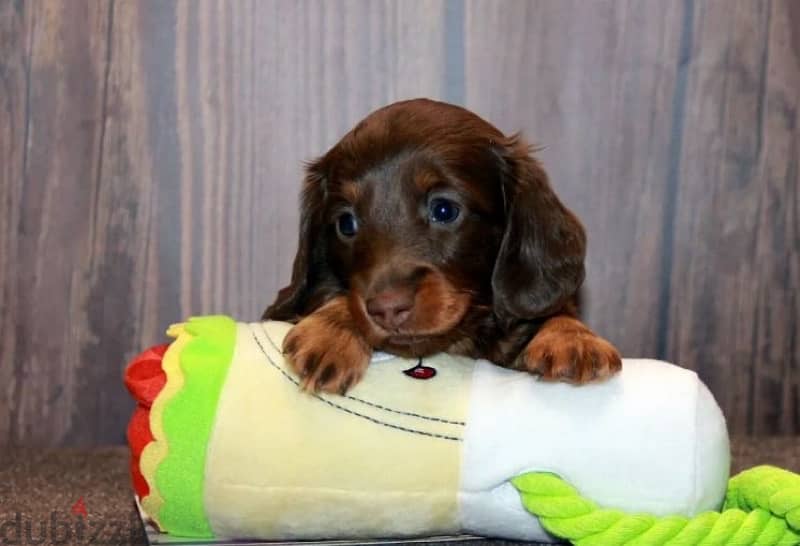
(150, 154)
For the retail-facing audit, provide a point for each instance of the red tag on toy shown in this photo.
(420, 372)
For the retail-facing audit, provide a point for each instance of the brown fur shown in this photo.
(326, 349)
(499, 282)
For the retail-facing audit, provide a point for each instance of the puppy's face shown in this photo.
(425, 215)
(413, 237)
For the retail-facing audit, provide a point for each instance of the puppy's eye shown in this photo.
(346, 225)
(443, 211)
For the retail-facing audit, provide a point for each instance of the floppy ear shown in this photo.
(310, 262)
(540, 262)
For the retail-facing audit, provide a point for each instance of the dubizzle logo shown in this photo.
(73, 528)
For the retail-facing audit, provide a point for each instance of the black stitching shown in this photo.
(346, 410)
(374, 405)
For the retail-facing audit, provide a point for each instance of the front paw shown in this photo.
(573, 354)
(326, 357)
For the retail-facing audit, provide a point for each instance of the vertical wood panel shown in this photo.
(108, 320)
(736, 258)
(44, 269)
(15, 33)
(594, 83)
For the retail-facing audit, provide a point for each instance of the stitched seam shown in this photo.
(378, 406)
(346, 410)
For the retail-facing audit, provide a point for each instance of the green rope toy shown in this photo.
(762, 508)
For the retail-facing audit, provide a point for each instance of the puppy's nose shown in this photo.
(391, 308)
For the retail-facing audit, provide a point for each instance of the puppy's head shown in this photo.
(424, 215)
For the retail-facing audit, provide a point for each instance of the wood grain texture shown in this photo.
(735, 273)
(46, 232)
(151, 153)
(15, 33)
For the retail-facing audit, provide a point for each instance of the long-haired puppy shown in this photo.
(424, 230)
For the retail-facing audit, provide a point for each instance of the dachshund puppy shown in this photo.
(426, 230)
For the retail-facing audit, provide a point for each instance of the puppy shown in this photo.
(424, 230)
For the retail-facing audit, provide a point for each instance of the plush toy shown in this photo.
(225, 444)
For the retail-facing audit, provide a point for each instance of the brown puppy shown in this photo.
(425, 229)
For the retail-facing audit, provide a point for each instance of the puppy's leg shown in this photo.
(326, 349)
(565, 349)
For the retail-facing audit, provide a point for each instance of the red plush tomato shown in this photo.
(144, 378)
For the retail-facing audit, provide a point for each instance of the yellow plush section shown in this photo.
(156, 451)
(382, 461)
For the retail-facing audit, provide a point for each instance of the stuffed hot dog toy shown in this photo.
(224, 444)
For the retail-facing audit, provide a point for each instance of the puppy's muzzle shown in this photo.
(392, 307)
(391, 295)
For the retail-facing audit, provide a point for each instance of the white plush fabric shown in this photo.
(652, 439)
